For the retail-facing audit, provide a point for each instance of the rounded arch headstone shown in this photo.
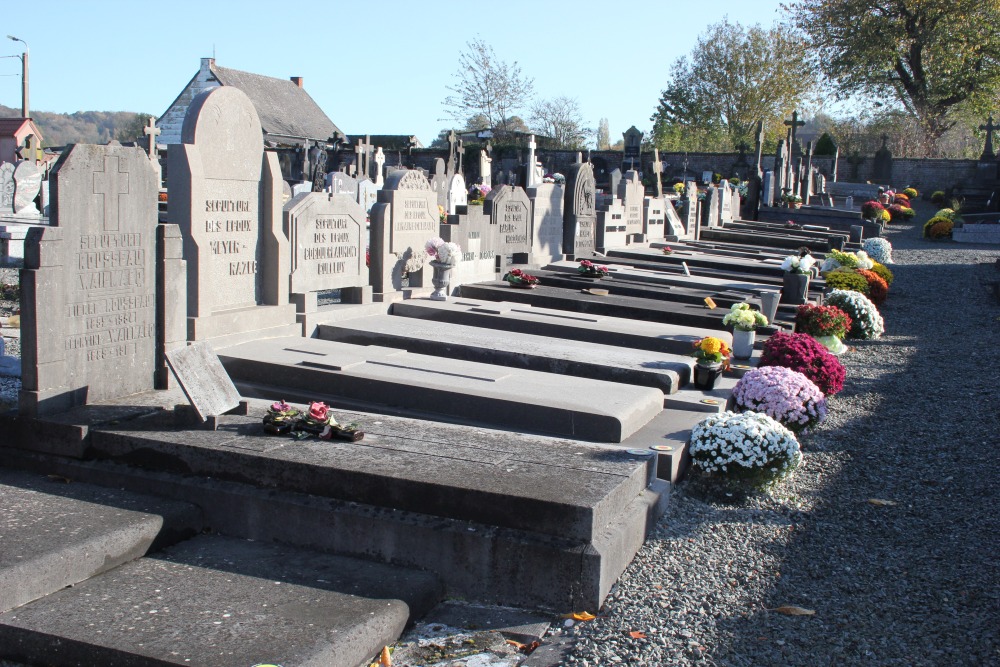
(223, 123)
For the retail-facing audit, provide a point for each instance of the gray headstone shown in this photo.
(402, 221)
(301, 188)
(90, 330)
(439, 182)
(27, 181)
(327, 236)
(479, 238)
(367, 194)
(547, 202)
(579, 212)
(510, 210)
(767, 189)
(339, 183)
(691, 205)
(225, 195)
(614, 181)
(458, 194)
(203, 379)
(631, 193)
(654, 213)
(611, 231)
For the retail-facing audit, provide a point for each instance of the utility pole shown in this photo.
(24, 76)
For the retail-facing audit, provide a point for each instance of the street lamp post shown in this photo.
(24, 76)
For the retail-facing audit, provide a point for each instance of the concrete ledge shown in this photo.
(54, 534)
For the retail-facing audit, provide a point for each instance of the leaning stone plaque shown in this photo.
(203, 379)
(89, 283)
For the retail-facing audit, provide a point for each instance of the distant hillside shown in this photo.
(82, 127)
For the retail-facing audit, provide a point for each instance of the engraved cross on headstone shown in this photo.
(111, 183)
(989, 127)
(152, 132)
(658, 169)
(794, 124)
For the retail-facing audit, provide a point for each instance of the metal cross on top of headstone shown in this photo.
(152, 132)
(989, 127)
(794, 123)
(658, 169)
(361, 151)
(112, 183)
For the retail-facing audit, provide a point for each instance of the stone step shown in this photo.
(55, 534)
(666, 372)
(217, 602)
(489, 395)
(527, 318)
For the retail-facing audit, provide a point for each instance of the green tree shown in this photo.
(560, 119)
(132, 130)
(603, 135)
(734, 77)
(487, 86)
(933, 58)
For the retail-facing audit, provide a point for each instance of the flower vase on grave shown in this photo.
(795, 287)
(743, 343)
(705, 374)
(769, 304)
(441, 279)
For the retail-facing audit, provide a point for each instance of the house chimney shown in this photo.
(297, 80)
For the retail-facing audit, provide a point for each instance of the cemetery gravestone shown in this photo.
(767, 189)
(654, 216)
(439, 182)
(632, 146)
(510, 211)
(338, 183)
(327, 236)
(673, 228)
(225, 195)
(630, 192)
(367, 195)
(711, 213)
(6, 188)
(691, 214)
(725, 202)
(478, 235)
(89, 283)
(614, 180)
(458, 194)
(402, 221)
(611, 228)
(580, 215)
(547, 201)
(27, 182)
(882, 164)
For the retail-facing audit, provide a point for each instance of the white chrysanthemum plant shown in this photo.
(879, 249)
(836, 259)
(864, 261)
(743, 317)
(750, 447)
(796, 264)
(866, 322)
(442, 251)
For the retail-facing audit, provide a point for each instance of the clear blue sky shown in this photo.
(373, 67)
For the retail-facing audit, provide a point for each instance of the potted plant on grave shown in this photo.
(743, 450)
(792, 200)
(795, 283)
(827, 324)
(444, 256)
(667, 250)
(477, 194)
(520, 279)
(744, 320)
(782, 394)
(712, 356)
(280, 418)
(588, 269)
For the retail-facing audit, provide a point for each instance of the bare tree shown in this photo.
(560, 119)
(487, 86)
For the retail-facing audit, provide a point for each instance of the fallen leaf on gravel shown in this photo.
(882, 503)
(789, 610)
(518, 645)
(385, 660)
(580, 616)
(635, 634)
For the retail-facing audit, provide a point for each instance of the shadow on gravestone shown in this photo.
(225, 195)
(89, 316)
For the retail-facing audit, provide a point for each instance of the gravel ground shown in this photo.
(909, 581)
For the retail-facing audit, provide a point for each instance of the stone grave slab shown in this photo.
(534, 352)
(203, 379)
(580, 211)
(506, 397)
(226, 197)
(339, 183)
(216, 601)
(662, 276)
(54, 535)
(90, 285)
(554, 323)
(547, 204)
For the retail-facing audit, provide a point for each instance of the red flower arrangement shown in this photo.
(870, 208)
(822, 321)
(878, 288)
(520, 278)
(803, 353)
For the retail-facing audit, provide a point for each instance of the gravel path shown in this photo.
(912, 581)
